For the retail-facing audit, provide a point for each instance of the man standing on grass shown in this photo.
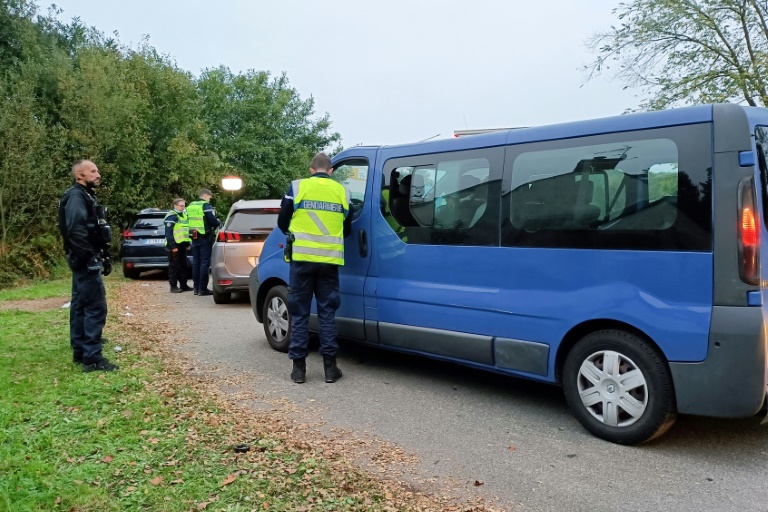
(87, 236)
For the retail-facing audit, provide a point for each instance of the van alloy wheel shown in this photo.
(612, 388)
(619, 387)
(277, 318)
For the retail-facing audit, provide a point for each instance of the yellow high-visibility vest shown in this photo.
(319, 208)
(196, 216)
(180, 229)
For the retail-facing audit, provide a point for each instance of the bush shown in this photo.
(39, 258)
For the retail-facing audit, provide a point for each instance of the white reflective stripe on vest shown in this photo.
(323, 239)
(313, 251)
(318, 223)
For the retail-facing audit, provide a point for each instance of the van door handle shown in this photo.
(362, 243)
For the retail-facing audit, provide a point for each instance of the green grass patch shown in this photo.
(61, 287)
(112, 442)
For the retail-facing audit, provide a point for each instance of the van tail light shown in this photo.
(228, 236)
(749, 233)
(127, 234)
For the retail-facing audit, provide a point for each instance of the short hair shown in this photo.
(320, 162)
(179, 200)
(204, 192)
(76, 165)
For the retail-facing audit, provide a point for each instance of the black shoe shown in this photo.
(299, 372)
(205, 292)
(185, 288)
(197, 292)
(77, 358)
(332, 372)
(174, 289)
(102, 365)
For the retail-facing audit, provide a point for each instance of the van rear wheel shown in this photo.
(619, 387)
(277, 319)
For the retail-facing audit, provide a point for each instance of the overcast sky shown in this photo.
(396, 71)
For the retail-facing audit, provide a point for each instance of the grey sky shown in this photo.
(396, 71)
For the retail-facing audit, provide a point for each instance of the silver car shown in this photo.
(238, 245)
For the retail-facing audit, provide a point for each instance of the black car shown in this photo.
(143, 243)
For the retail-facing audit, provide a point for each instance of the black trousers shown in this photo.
(87, 314)
(177, 266)
(320, 280)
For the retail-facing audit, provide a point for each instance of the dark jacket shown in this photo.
(77, 211)
(286, 209)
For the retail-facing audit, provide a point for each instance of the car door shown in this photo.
(351, 168)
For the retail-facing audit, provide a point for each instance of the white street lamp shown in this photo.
(231, 183)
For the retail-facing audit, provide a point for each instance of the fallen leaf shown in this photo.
(156, 481)
(108, 459)
(203, 505)
(511, 448)
(58, 500)
(478, 483)
(230, 478)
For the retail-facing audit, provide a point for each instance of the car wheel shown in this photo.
(131, 273)
(277, 319)
(619, 387)
(221, 297)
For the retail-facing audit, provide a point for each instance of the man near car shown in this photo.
(176, 243)
(202, 230)
(314, 214)
(87, 236)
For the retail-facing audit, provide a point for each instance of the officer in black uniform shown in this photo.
(87, 237)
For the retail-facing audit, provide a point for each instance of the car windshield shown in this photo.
(148, 223)
(245, 221)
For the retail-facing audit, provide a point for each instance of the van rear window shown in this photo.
(644, 193)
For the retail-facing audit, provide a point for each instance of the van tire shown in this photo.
(277, 318)
(651, 395)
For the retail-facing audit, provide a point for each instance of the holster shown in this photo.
(288, 251)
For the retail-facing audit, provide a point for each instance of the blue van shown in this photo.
(620, 258)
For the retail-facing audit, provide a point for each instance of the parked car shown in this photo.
(238, 245)
(143, 243)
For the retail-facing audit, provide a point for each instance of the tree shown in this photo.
(688, 51)
(260, 125)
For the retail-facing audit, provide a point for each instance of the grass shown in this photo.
(39, 290)
(133, 440)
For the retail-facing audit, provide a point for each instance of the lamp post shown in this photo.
(231, 183)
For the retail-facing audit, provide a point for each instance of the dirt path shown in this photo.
(142, 309)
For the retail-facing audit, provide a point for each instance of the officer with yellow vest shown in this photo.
(176, 243)
(202, 230)
(315, 214)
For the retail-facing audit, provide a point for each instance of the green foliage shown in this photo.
(688, 51)
(155, 131)
(262, 128)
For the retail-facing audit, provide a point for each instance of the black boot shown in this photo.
(175, 289)
(299, 372)
(332, 372)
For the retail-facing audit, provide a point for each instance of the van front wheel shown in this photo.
(277, 319)
(619, 387)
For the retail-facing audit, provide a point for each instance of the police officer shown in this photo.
(202, 229)
(176, 243)
(315, 215)
(87, 236)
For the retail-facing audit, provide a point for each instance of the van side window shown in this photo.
(353, 174)
(628, 194)
(444, 199)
